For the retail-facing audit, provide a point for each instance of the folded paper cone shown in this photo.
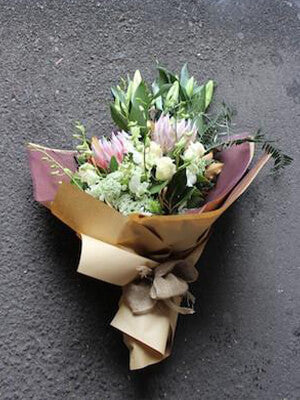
(113, 246)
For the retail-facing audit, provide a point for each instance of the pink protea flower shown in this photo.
(104, 149)
(167, 133)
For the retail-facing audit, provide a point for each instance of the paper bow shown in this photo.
(147, 313)
(115, 247)
(161, 284)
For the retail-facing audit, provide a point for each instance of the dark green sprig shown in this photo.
(281, 159)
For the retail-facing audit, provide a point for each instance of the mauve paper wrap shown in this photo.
(236, 160)
(45, 185)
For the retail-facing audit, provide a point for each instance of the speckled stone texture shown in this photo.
(58, 60)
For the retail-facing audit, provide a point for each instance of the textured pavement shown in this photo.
(57, 62)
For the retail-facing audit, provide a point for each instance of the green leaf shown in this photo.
(137, 79)
(158, 101)
(118, 94)
(172, 95)
(118, 118)
(176, 189)
(162, 77)
(209, 89)
(198, 101)
(160, 91)
(184, 75)
(113, 165)
(141, 96)
(190, 86)
(200, 124)
(196, 199)
(138, 114)
(185, 198)
(157, 188)
(165, 76)
(129, 91)
(183, 94)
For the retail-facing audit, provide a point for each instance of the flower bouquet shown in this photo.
(144, 200)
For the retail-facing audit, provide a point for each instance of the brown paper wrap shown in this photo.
(113, 246)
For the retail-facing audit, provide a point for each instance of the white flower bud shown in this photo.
(165, 169)
(191, 178)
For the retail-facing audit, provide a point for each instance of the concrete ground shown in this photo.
(58, 60)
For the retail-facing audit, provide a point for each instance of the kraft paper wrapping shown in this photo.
(114, 245)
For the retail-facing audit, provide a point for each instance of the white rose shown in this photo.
(165, 169)
(195, 150)
(88, 174)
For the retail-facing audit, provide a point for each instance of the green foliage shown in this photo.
(181, 96)
(135, 104)
(133, 100)
(83, 148)
(131, 104)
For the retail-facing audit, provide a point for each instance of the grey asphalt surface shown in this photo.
(57, 62)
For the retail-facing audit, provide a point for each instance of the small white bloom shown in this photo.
(108, 189)
(136, 186)
(137, 157)
(165, 168)
(191, 178)
(195, 150)
(88, 174)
